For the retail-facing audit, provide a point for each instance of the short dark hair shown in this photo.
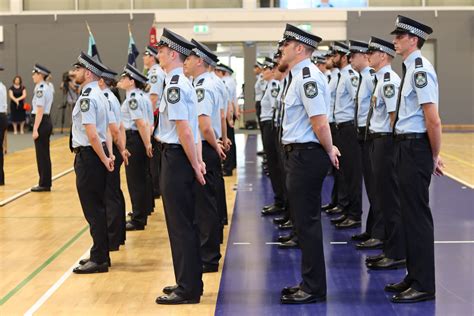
(420, 42)
(181, 57)
(139, 85)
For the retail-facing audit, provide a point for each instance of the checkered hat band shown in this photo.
(149, 52)
(221, 68)
(382, 48)
(413, 30)
(359, 48)
(303, 39)
(36, 69)
(341, 49)
(108, 75)
(133, 75)
(176, 47)
(202, 55)
(89, 66)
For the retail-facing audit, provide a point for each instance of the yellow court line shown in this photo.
(466, 183)
(458, 159)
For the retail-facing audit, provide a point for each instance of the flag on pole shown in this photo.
(132, 49)
(153, 40)
(92, 47)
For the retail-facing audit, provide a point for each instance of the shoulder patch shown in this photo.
(386, 77)
(275, 92)
(84, 105)
(200, 82)
(421, 80)
(418, 62)
(174, 79)
(173, 94)
(39, 93)
(355, 81)
(200, 93)
(306, 72)
(153, 79)
(389, 90)
(310, 89)
(133, 104)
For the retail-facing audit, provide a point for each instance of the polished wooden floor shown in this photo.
(42, 236)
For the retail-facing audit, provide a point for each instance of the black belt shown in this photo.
(361, 130)
(77, 150)
(344, 124)
(332, 124)
(171, 146)
(301, 146)
(378, 135)
(130, 132)
(402, 137)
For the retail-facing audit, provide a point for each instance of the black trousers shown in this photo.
(350, 162)
(155, 167)
(386, 192)
(231, 160)
(221, 197)
(3, 130)
(115, 204)
(43, 158)
(178, 195)
(339, 191)
(414, 166)
(272, 153)
(207, 215)
(305, 172)
(136, 172)
(91, 177)
(258, 111)
(149, 186)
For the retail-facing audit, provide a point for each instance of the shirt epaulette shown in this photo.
(418, 62)
(174, 79)
(306, 72)
(86, 92)
(386, 77)
(199, 83)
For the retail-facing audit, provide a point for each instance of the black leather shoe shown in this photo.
(335, 210)
(227, 173)
(285, 238)
(397, 287)
(326, 207)
(301, 297)
(40, 189)
(348, 223)
(361, 237)
(266, 207)
(260, 153)
(86, 260)
(412, 296)
(338, 219)
(170, 289)
(130, 226)
(175, 299)
(274, 210)
(371, 243)
(387, 264)
(280, 220)
(208, 268)
(374, 258)
(91, 267)
(287, 225)
(288, 290)
(290, 244)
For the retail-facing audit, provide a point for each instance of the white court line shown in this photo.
(24, 192)
(454, 242)
(459, 180)
(338, 242)
(273, 243)
(33, 309)
(241, 243)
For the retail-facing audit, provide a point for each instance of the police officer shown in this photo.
(114, 199)
(344, 113)
(42, 128)
(209, 113)
(417, 129)
(92, 161)
(259, 88)
(3, 125)
(136, 120)
(360, 63)
(309, 152)
(156, 77)
(380, 118)
(178, 132)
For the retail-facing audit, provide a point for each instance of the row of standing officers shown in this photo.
(349, 109)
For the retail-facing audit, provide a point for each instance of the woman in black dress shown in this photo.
(17, 94)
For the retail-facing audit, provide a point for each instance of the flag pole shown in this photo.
(88, 28)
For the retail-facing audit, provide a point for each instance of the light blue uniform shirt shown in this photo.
(3, 98)
(148, 108)
(91, 108)
(332, 88)
(115, 115)
(384, 99)
(223, 94)
(307, 96)
(345, 94)
(420, 87)
(208, 101)
(363, 98)
(268, 100)
(178, 103)
(156, 78)
(134, 108)
(260, 85)
(42, 96)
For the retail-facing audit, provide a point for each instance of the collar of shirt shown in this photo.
(411, 58)
(137, 91)
(346, 68)
(382, 71)
(176, 71)
(92, 84)
(335, 71)
(40, 83)
(204, 75)
(366, 70)
(107, 90)
(297, 68)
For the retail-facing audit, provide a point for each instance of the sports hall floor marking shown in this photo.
(48, 261)
(467, 184)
